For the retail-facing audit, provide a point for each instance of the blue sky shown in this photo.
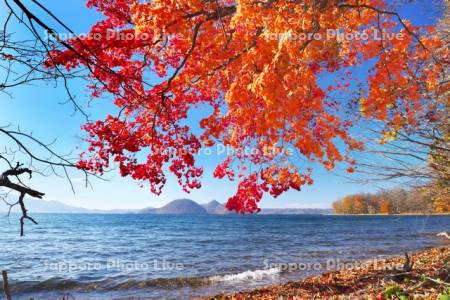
(38, 109)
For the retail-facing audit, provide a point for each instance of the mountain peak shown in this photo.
(214, 202)
(216, 208)
(180, 207)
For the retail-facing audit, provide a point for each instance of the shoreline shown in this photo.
(428, 278)
(394, 215)
(360, 282)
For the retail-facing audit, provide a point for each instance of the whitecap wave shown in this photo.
(246, 276)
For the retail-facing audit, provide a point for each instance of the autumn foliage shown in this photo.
(396, 201)
(257, 87)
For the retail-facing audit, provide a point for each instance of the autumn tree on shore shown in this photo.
(246, 66)
(417, 155)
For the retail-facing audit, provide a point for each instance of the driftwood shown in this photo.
(6, 289)
(409, 263)
(399, 276)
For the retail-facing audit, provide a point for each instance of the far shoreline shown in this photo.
(393, 215)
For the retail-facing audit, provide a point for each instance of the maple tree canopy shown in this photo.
(257, 66)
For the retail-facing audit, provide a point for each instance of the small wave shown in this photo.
(246, 276)
(160, 282)
(46, 285)
(59, 284)
(110, 284)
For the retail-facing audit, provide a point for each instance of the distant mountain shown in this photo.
(178, 207)
(216, 208)
(42, 206)
(187, 206)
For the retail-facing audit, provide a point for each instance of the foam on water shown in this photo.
(246, 276)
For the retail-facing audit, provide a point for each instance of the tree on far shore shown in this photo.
(395, 201)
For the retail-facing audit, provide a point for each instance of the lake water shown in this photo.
(180, 257)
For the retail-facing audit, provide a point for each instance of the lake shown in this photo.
(93, 256)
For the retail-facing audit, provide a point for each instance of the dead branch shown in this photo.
(22, 190)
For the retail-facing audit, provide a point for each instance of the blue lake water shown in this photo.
(180, 257)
